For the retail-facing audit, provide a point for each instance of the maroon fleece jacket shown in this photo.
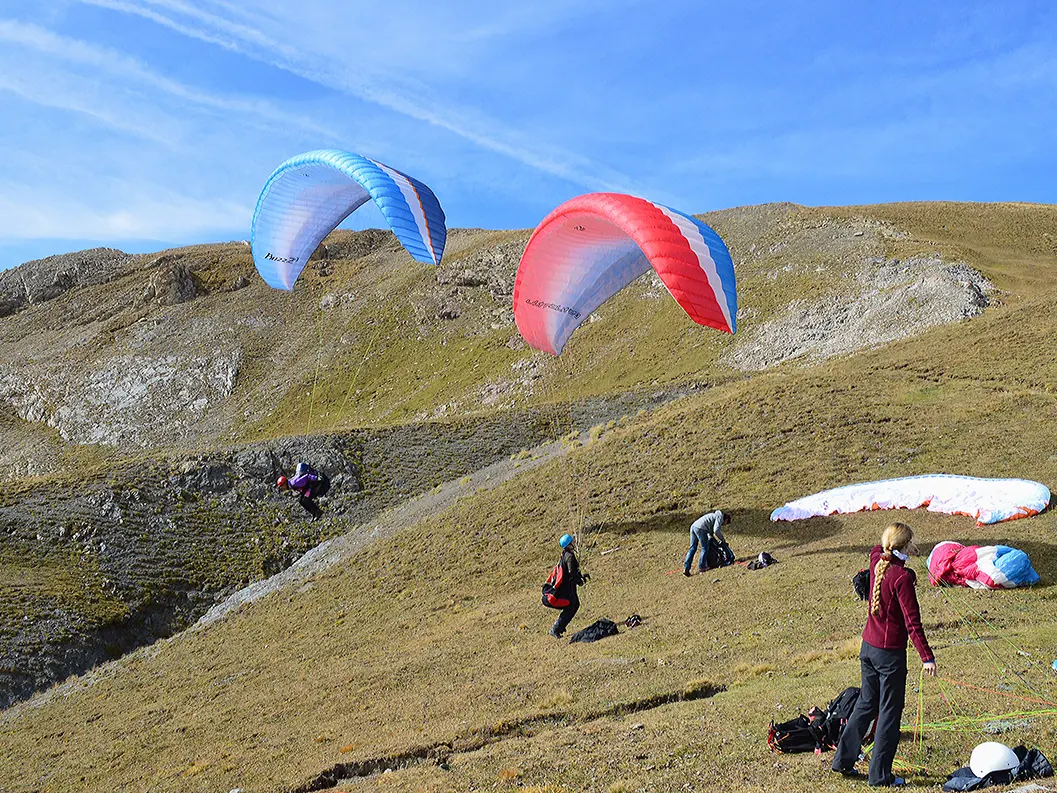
(898, 615)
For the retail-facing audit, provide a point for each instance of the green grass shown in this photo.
(32, 586)
(435, 637)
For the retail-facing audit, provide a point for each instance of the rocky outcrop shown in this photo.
(136, 555)
(881, 301)
(131, 398)
(46, 279)
(355, 245)
(171, 282)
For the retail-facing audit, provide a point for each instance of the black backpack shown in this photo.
(802, 734)
(322, 486)
(861, 584)
(819, 729)
(836, 718)
(719, 553)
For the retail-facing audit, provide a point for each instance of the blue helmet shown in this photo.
(566, 540)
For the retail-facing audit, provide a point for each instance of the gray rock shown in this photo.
(883, 300)
(211, 477)
(1001, 726)
(41, 280)
(172, 282)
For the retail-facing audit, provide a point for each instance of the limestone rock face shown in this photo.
(172, 282)
(46, 279)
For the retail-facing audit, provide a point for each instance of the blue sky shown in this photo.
(140, 124)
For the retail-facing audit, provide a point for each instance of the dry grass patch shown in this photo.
(558, 699)
(509, 774)
(744, 670)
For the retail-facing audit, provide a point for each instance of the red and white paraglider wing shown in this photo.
(592, 246)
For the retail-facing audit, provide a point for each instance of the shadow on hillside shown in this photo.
(861, 549)
(745, 524)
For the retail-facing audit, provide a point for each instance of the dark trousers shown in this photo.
(884, 689)
(310, 506)
(567, 614)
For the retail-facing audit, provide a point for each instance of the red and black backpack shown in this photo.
(552, 586)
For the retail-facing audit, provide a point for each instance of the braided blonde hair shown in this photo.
(895, 537)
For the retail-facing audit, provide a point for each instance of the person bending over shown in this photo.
(701, 531)
(308, 483)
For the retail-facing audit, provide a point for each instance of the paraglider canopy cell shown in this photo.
(307, 196)
(589, 248)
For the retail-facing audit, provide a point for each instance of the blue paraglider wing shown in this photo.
(307, 196)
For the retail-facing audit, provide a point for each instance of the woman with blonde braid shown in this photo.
(893, 616)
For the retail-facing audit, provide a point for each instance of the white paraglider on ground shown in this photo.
(986, 500)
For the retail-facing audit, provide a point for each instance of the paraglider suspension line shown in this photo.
(319, 358)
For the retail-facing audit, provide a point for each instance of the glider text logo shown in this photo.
(280, 259)
(554, 307)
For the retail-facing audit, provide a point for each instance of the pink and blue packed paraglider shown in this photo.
(307, 196)
(980, 566)
(589, 248)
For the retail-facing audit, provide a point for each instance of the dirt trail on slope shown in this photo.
(397, 518)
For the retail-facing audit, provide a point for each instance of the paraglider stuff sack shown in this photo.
(719, 554)
(793, 736)
(551, 586)
(595, 631)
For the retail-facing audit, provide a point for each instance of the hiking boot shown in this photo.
(686, 573)
(850, 773)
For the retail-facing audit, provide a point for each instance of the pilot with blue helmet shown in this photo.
(571, 578)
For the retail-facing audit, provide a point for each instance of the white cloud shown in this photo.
(34, 213)
(296, 39)
(56, 77)
(74, 93)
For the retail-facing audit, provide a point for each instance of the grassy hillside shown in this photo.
(428, 655)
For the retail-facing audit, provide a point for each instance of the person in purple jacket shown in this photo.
(892, 618)
(309, 484)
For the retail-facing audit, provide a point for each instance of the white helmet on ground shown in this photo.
(990, 757)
